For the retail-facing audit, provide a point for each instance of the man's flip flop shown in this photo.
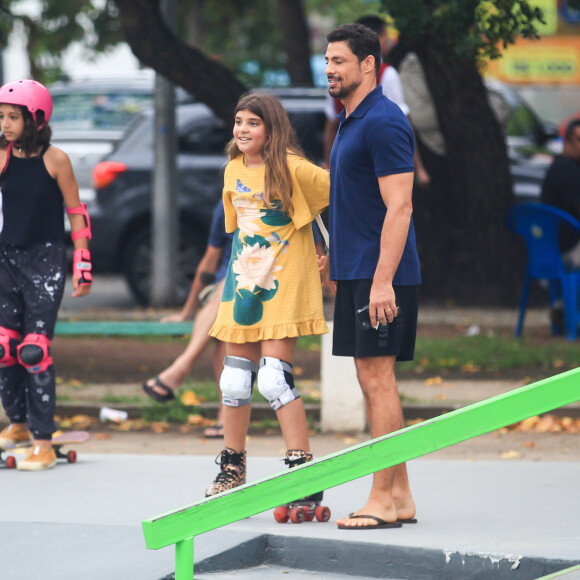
(167, 394)
(407, 520)
(379, 525)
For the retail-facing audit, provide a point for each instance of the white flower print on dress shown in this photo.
(255, 266)
(248, 214)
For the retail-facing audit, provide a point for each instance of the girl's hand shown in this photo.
(78, 291)
(324, 268)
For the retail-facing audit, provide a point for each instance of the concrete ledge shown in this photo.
(373, 560)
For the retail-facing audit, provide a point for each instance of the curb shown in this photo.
(260, 411)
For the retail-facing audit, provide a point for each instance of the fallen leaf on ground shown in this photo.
(433, 381)
(103, 436)
(160, 427)
(189, 399)
(511, 454)
(529, 444)
(440, 397)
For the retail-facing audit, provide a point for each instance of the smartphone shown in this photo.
(364, 319)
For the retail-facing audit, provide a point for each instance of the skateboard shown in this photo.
(302, 510)
(58, 442)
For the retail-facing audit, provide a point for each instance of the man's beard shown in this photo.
(344, 90)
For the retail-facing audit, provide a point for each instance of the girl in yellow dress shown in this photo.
(272, 292)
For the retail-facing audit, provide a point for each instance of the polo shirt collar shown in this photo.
(365, 104)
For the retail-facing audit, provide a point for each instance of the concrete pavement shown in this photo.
(476, 520)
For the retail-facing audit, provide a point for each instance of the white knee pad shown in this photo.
(237, 380)
(276, 383)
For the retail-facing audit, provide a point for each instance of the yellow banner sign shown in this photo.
(553, 60)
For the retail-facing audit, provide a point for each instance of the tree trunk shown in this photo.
(157, 47)
(468, 255)
(296, 41)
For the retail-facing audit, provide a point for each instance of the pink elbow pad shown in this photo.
(85, 232)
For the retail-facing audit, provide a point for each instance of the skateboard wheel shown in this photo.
(71, 456)
(322, 513)
(281, 514)
(10, 462)
(297, 515)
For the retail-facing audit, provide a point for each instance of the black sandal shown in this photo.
(214, 432)
(167, 394)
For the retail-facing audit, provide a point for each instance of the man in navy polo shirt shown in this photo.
(373, 255)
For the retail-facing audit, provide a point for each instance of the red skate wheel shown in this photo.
(322, 513)
(297, 515)
(309, 514)
(11, 462)
(71, 456)
(281, 514)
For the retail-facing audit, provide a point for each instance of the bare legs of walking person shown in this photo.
(175, 374)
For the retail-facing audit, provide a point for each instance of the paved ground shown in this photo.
(502, 504)
(478, 519)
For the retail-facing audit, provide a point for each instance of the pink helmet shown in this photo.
(30, 94)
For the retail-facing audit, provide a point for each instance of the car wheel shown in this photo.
(137, 264)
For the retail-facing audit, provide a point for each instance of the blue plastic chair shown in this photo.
(539, 223)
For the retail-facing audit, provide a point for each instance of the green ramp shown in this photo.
(180, 527)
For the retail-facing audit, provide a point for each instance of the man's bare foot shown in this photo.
(358, 520)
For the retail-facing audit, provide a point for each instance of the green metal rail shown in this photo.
(180, 527)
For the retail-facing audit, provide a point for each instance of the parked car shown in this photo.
(121, 212)
(91, 114)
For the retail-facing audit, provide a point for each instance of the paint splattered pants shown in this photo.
(32, 284)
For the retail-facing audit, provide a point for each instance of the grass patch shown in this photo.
(492, 354)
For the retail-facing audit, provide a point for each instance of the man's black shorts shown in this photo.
(396, 339)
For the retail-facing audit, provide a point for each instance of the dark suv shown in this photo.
(121, 211)
(120, 214)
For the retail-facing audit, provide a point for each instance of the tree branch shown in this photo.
(155, 45)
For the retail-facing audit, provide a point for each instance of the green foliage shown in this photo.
(492, 354)
(55, 26)
(472, 29)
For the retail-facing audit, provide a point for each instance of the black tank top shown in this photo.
(32, 203)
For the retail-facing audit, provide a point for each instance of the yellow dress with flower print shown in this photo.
(272, 288)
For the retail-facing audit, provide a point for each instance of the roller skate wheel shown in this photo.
(297, 515)
(281, 514)
(322, 513)
(11, 462)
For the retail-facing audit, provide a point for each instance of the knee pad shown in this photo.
(8, 343)
(237, 381)
(34, 353)
(276, 382)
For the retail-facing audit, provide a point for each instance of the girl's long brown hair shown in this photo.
(280, 140)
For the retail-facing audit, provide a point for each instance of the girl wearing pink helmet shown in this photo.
(37, 183)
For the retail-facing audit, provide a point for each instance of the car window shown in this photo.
(96, 110)
(523, 123)
(205, 136)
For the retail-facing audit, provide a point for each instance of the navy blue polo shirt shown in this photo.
(375, 140)
(219, 238)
